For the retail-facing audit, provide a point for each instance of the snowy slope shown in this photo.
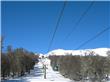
(52, 76)
(39, 75)
(99, 51)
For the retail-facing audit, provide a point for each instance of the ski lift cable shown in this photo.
(57, 25)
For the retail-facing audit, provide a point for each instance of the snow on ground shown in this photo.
(51, 76)
(99, 51)
(37, 75)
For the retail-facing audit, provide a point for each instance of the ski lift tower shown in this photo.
(44, 66)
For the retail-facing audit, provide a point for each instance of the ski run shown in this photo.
(50, 74)
(37, 75)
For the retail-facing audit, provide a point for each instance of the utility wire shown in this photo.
(89, 40)
(79, 20)
(57, 24)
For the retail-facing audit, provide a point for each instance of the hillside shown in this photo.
(99, 51)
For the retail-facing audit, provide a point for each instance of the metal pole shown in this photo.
(44, 71)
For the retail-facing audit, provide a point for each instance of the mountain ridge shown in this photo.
(96, 51)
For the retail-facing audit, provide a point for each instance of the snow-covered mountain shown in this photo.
(99, 51)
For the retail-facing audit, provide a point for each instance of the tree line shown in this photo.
(80, 68)
(17, 62)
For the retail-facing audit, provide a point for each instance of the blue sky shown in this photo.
(31, 24)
